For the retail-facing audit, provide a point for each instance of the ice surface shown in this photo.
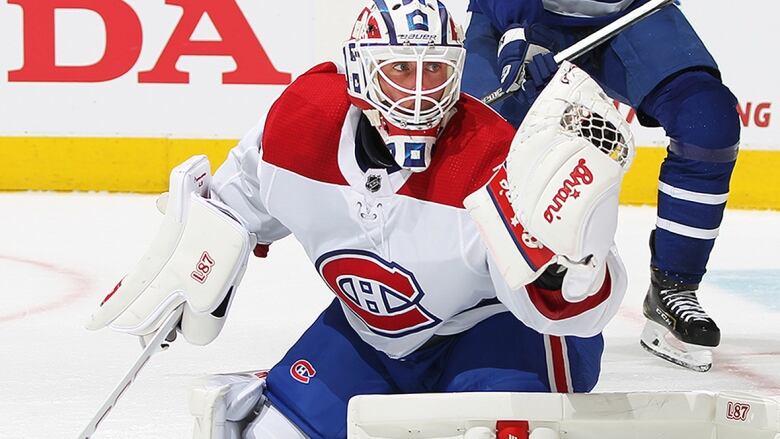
(61, 253)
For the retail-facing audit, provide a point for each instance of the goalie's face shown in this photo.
(408, 86)
(413, 87)
(405, 60)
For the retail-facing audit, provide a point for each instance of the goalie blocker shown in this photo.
(197, 260)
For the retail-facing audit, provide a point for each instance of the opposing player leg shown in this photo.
(699, 115)
(501, 354)
(662, 68)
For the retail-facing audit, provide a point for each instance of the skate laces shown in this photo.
(684, 304)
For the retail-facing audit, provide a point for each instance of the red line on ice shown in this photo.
(764, 381)
(767, 384)
(80, 288)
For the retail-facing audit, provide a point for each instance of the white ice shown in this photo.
(61, 253)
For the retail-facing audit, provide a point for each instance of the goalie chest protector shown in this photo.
(405, 262)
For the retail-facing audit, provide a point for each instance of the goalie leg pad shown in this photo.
(640, 415)
(233, 406)
(223, 405)
(272, 424)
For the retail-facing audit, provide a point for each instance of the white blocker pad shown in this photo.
(642, 415)
(197, 258)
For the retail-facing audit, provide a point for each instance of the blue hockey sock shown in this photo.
(699, 115)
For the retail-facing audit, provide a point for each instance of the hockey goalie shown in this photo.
(463, 257)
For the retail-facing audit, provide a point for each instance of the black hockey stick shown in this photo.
(595, 39)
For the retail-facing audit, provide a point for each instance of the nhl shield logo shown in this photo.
(373, 183)
(384, 295)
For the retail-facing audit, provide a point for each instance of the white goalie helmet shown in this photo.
(420, 38)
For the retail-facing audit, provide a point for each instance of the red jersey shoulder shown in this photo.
(303, 127)
(474, 143)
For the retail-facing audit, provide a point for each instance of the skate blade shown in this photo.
(659, 341)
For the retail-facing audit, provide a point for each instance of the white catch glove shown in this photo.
(556, 200)
(197, 259)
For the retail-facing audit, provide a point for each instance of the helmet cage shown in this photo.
(374, 58)
(417, 32)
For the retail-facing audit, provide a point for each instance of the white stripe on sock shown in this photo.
(682, 229)
(696, 197)
(550, 367)
(566, 365)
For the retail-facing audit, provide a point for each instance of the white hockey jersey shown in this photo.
(399, 250)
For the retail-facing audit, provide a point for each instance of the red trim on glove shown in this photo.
(536, 257)
(261, 250)
(105, 299)
(552, 305)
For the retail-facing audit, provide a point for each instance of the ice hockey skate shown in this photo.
(678, 329)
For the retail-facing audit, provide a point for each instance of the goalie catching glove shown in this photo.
(197, 260)
(555, 199)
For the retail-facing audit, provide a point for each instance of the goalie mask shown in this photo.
(404, 63)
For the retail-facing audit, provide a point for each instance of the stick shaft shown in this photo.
(151, 348)
(602, 35)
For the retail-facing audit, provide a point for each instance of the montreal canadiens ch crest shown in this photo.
(384, 295)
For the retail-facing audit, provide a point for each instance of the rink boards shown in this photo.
(111, 95)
